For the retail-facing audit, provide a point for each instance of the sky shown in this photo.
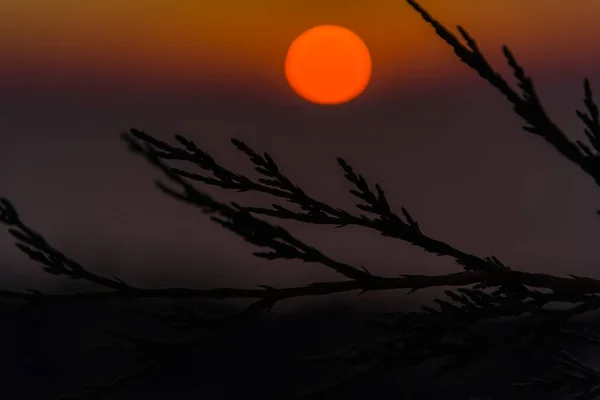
(438, 139)
(170, 44)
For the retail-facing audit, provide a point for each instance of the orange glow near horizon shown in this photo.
(244, 42)
(328, 64)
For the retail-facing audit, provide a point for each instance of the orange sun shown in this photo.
(328, 64)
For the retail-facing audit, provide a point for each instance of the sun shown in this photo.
(328, 64)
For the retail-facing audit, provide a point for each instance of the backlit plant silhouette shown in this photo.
(484, 289)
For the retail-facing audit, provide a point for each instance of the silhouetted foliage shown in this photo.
(454, 333)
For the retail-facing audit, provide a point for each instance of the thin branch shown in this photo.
(527, 104)
(388, 223)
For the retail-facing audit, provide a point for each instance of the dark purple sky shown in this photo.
(454, 155)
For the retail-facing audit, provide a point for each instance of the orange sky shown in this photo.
(183, 41)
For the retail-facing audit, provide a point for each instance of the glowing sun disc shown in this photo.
(328, 64)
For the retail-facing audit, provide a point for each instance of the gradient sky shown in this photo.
(243, 42)
(441, 142)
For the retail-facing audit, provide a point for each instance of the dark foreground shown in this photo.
(48, 351)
